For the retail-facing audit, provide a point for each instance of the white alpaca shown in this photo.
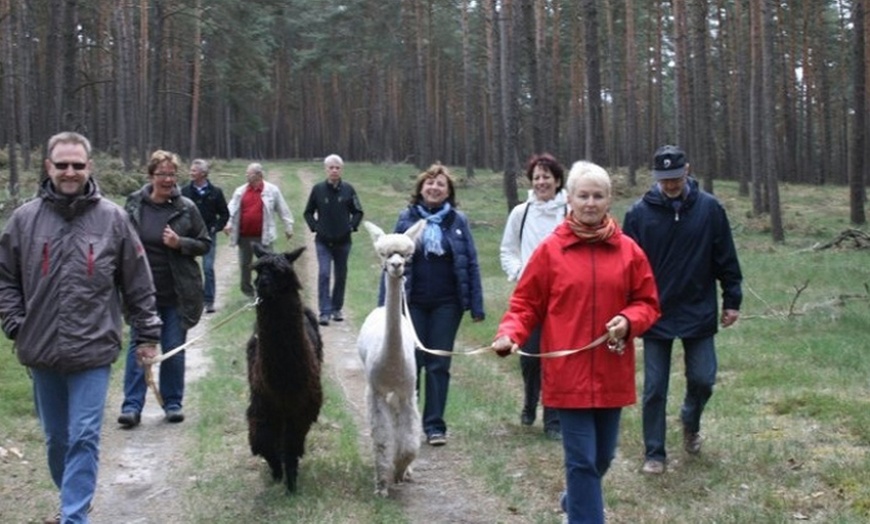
(386, 347)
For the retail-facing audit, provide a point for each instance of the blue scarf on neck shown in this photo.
(432, 234)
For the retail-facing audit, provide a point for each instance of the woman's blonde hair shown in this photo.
(160, 156)
(583, 170)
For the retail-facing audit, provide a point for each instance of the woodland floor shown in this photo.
(142, 470)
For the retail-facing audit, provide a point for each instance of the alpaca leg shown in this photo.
(294, 448)
(407, 438)
(383, 441)
(262, 436)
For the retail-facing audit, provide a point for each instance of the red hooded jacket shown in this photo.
(573, 288)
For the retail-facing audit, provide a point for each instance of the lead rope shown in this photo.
(614, 344)
(149, 375)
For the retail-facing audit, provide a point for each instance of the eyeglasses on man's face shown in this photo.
(63, 166)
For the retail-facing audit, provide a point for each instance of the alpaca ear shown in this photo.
(258, 249)
(416, 230)
(373, 230)
(293, 255)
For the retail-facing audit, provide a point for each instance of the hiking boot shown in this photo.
(436, 439)
(174, 416)
(653, 467)
(691, 441)
(324, 320)
(129, 419)
(209, 308)
(338, 316)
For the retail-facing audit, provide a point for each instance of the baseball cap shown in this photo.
(669, 162)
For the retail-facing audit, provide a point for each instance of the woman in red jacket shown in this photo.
(585, 280)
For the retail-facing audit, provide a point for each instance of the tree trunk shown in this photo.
(422, 156)
(755, 131)
(768, 119)
(702, 113)
(197, 78)
(467, 93)
(510, 111)
(493, 76)
(594, 126)
(859, 120)
(8, 25)
(631, 122)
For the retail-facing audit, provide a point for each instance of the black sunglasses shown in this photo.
(63, 166)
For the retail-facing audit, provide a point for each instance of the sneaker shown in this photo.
(527, 417)
(553, 433)
(653, 467)
(174, 416)
(436, 439)
(691, 441)
(324, 320)
(338, 316)
(129, 419)
(55, 519)
(209, 308)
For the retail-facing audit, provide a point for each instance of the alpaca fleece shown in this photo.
(285, 356)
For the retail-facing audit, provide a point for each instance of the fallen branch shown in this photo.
(855, 238)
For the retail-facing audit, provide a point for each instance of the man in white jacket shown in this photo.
(528, 224)
(252, 220)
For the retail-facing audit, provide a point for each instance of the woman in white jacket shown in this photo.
(528, 224)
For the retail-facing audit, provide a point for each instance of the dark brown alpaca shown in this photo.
(284, 359)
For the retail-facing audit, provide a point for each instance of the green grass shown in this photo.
(787, 428)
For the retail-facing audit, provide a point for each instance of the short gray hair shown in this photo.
(256, 167)
(69, 137)
(333, 159)
(202, 164)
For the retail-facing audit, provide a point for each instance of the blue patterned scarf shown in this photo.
(432, 234)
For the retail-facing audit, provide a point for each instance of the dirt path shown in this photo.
(438, 493)
(141, 469)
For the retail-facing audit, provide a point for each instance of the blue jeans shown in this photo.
(331, 258)
(70, 408)
(436, 328)
(700, 363)
(531, 369)
(589, 438)
(172, 335)
(208, 272)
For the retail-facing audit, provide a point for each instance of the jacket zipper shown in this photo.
(45, 259)
(91, 260)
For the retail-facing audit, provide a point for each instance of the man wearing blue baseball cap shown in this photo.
(685, 233)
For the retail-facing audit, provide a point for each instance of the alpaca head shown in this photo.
(395, 249)
(275, 273)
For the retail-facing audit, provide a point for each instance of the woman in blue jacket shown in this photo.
(443, 281)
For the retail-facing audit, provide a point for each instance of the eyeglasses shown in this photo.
(165, 175)
(63, 166)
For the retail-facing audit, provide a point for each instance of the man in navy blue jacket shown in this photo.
(212, 205)
(686, 236)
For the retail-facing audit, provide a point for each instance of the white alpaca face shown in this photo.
(395, 250)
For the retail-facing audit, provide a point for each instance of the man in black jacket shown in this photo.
(213, 208)
(685, 233)
(333, 212)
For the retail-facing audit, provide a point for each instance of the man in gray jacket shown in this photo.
(69, 259)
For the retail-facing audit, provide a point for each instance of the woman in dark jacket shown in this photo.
(173, 234)
(443, 281)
